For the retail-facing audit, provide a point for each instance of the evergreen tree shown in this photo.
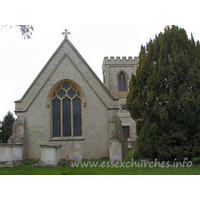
(6, 130)
(164, 96)
(0, 131)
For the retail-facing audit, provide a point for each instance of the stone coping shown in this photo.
(50, 145)
(10, 145)
(66, 139)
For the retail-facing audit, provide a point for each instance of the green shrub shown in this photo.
(196, 160)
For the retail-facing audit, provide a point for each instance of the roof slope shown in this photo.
(56, 63)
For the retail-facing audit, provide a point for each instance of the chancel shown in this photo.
(67, 104)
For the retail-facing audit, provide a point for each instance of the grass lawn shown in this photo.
(101, 169)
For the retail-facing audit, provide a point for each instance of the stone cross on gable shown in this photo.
(66, 33)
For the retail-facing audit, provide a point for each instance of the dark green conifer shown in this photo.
(6, 130)
(164, 96)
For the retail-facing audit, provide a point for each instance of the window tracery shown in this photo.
(122, 82)
(66, 111)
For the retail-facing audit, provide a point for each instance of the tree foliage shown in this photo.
(164, 96)
(26, 30)
(6, 129)
(0, 130)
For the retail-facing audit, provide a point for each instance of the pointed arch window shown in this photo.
(122, 82)
(66, 111)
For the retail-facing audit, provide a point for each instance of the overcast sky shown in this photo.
(22, 60)
(98, 29)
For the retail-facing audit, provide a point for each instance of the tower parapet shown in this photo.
(121, 61)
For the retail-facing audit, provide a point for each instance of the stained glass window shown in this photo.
(122, 82)
(56, 117)
(66, 86)
(66, 117)
(66, 111)
(77, 117)
(124, 107)
(126, 130)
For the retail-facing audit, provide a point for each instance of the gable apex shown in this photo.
(94, 74)
(52, 64)
(42, 70)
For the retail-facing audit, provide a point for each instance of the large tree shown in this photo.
(164, 96)
(6, 130)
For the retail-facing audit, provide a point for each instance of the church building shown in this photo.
(67, 102)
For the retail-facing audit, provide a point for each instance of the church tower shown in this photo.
(117, 73)
(116, 76)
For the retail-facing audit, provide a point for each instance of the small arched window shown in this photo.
(122, 82)
(66, 104)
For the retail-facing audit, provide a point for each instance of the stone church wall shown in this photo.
(35, 106)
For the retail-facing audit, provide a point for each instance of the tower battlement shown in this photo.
(120, 61)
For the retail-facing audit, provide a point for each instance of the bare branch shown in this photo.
(26, 30)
